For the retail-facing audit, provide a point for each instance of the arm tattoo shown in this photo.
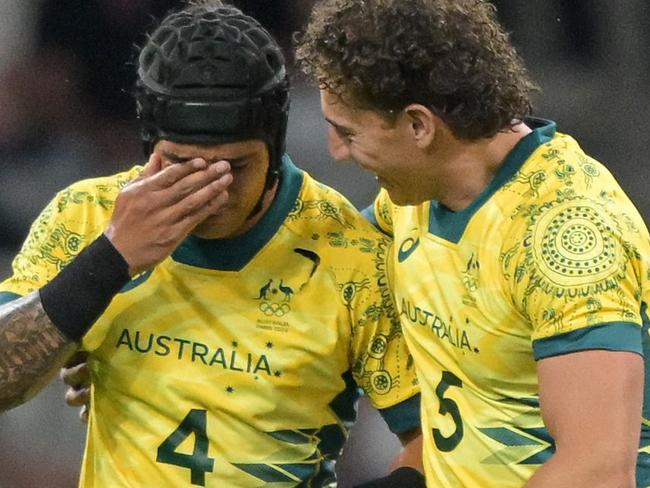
(31, 350)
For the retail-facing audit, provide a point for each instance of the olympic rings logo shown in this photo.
(274, 309)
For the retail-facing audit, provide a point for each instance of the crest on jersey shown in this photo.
(275, 298)
(471, 280)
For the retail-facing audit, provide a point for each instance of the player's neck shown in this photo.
(470, 167)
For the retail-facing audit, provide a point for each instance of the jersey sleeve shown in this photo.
(382, 365)
(49, 246)
(576, 276)
(73, 219)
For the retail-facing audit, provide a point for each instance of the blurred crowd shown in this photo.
(66, 73)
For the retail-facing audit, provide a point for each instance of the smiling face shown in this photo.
(390, 149)
(249, 162)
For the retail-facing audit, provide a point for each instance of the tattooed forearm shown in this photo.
(31, 350)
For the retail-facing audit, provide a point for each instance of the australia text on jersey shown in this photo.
(453, 334)
(187, 350)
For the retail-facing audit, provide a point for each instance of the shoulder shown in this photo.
(560, 187)
(327, 224)
(322, 211)
(82, 208)
(577, 232)
(100, 190)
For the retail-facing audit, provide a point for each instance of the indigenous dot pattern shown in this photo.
(577, 245)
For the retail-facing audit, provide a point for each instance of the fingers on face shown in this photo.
(178, 181)
(152, 167)
(196, 199)
(216, 175)
(178, 190)
(172, 174)
(213, 201)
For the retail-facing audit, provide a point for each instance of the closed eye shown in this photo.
(342, 132)
(177, 159)
(345, 134)
(236, 164)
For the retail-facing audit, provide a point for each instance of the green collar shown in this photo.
(450, 225)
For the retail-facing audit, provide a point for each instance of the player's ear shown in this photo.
(422, 124)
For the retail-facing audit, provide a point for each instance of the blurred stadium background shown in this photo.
(66, 114)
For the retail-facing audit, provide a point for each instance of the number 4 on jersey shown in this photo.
(198, 462)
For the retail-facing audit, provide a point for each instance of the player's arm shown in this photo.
(40, 331)
(380, 345)
(591, 404)
(411, 454)
(32, 350)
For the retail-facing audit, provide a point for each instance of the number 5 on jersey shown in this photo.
(448, 407)
(198, 462)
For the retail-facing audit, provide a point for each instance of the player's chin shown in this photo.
(406, 202)
(397, 196)
(217, 226)
(403, 197)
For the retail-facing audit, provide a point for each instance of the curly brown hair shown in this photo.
(449, 55)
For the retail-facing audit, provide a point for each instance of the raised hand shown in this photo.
(155, 212)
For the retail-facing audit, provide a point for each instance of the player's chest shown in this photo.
(454, 304)
(261, 325)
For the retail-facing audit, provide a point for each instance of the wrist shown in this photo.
(122, 248)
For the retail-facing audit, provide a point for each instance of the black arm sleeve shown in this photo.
(80, 293)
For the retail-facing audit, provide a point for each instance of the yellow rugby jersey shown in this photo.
(551, 258)
(233, 363)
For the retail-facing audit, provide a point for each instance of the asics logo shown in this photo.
(406, 249)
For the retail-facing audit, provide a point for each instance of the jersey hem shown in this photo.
(404, 416)
(627, 338)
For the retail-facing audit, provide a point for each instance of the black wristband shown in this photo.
(80, 293)
(400, 478)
